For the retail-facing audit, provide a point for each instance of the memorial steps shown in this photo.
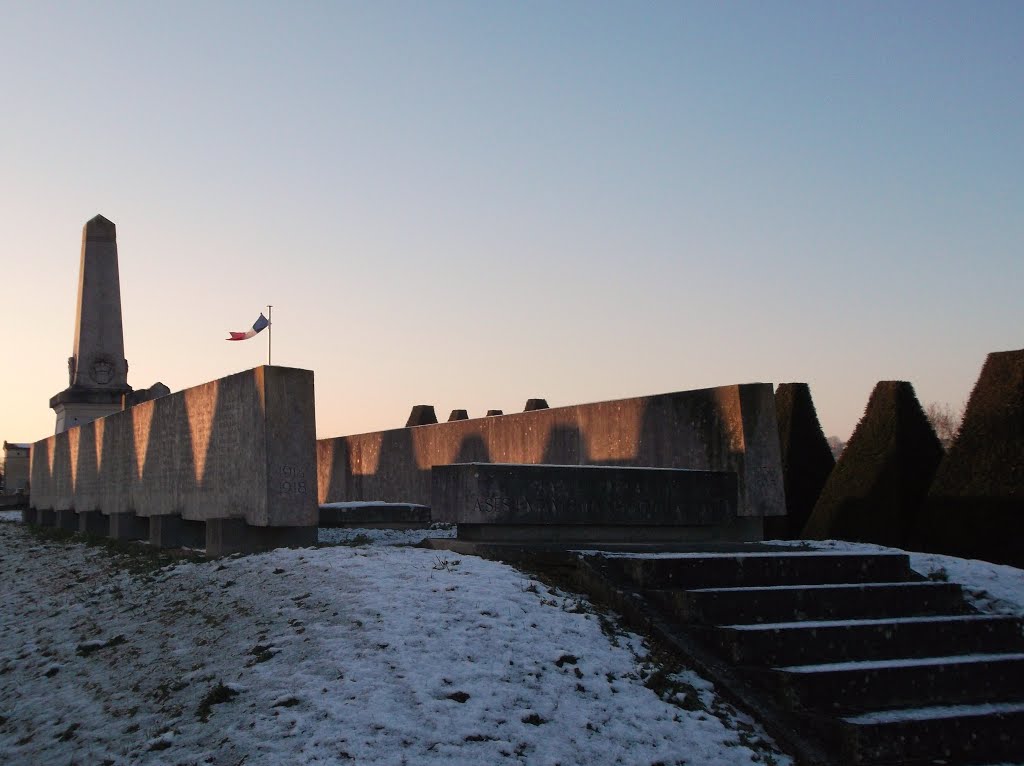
(875, 663)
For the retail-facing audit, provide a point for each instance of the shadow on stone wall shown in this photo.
(975, 507)
(875, 491)
(206, 452)
(713, 429)
(807, 459)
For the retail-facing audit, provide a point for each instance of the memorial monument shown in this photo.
(97, 370)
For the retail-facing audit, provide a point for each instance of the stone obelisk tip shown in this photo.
(99, 229)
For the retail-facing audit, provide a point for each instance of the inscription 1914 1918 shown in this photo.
(294, 482)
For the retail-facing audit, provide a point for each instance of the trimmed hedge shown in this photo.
(975, 507)
(876, 489)
(807, 459)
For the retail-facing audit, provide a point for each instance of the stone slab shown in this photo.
(375, 515)
(227, 536)
(586, 502)
(730, 428)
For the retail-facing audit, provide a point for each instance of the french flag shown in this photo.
(258, 325)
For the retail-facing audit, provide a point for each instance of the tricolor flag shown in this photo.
(258, 325)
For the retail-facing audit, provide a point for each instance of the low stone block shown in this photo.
(172, 531)
(375, 515)
(66, 520)
(521, 501)
(128, 526)
(93, 523)
(226, 536)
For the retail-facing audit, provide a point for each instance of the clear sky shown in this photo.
(468, 204)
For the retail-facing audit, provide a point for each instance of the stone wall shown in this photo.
(239, 447)
(731, 428)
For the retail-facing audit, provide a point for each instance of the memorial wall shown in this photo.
(731, 428)
(238, 447)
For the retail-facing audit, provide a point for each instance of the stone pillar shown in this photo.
(97, 371)
(67, 520)
(458, 415)
(129, 526)
(494, 413)
(532, 405)
(172, 531)
(93, 523)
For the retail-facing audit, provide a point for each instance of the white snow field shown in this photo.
(349, 654)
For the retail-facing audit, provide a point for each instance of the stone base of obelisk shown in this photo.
(76, 406)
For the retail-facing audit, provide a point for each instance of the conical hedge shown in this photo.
(975, 507)
(807, 460)
(877, 487)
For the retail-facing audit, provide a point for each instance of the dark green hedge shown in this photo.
(876, 489)
(975, 507)
(807, 459)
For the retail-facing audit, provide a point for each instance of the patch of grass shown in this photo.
(68, 733)
(261, 653)
(566, 659)
(534, 719)
(134, 557)
(218, 695)
(939, 575)
(459, 697)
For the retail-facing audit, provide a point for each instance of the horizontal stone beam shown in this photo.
(509, 497)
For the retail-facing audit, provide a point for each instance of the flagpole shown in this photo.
(270, 331)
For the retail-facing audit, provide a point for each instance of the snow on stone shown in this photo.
(915, 662)
(990, 588)
(370, 654)
(357, 536)
(815, 624)
(938, 712)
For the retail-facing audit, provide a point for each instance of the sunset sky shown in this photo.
(469, 204)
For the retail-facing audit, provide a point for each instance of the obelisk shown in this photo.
(98, 371)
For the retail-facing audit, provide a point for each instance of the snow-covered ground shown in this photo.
(361, 653)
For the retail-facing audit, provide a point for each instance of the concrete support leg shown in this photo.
(28, 515)
(46, 518)
(128, 526)
(67, 520)
(225, 536)
(172, 531)
(94, 523)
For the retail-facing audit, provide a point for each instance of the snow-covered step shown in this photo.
(839, 687)
(767, 604)
(816, 641)
(699, 570)
(949, 733)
